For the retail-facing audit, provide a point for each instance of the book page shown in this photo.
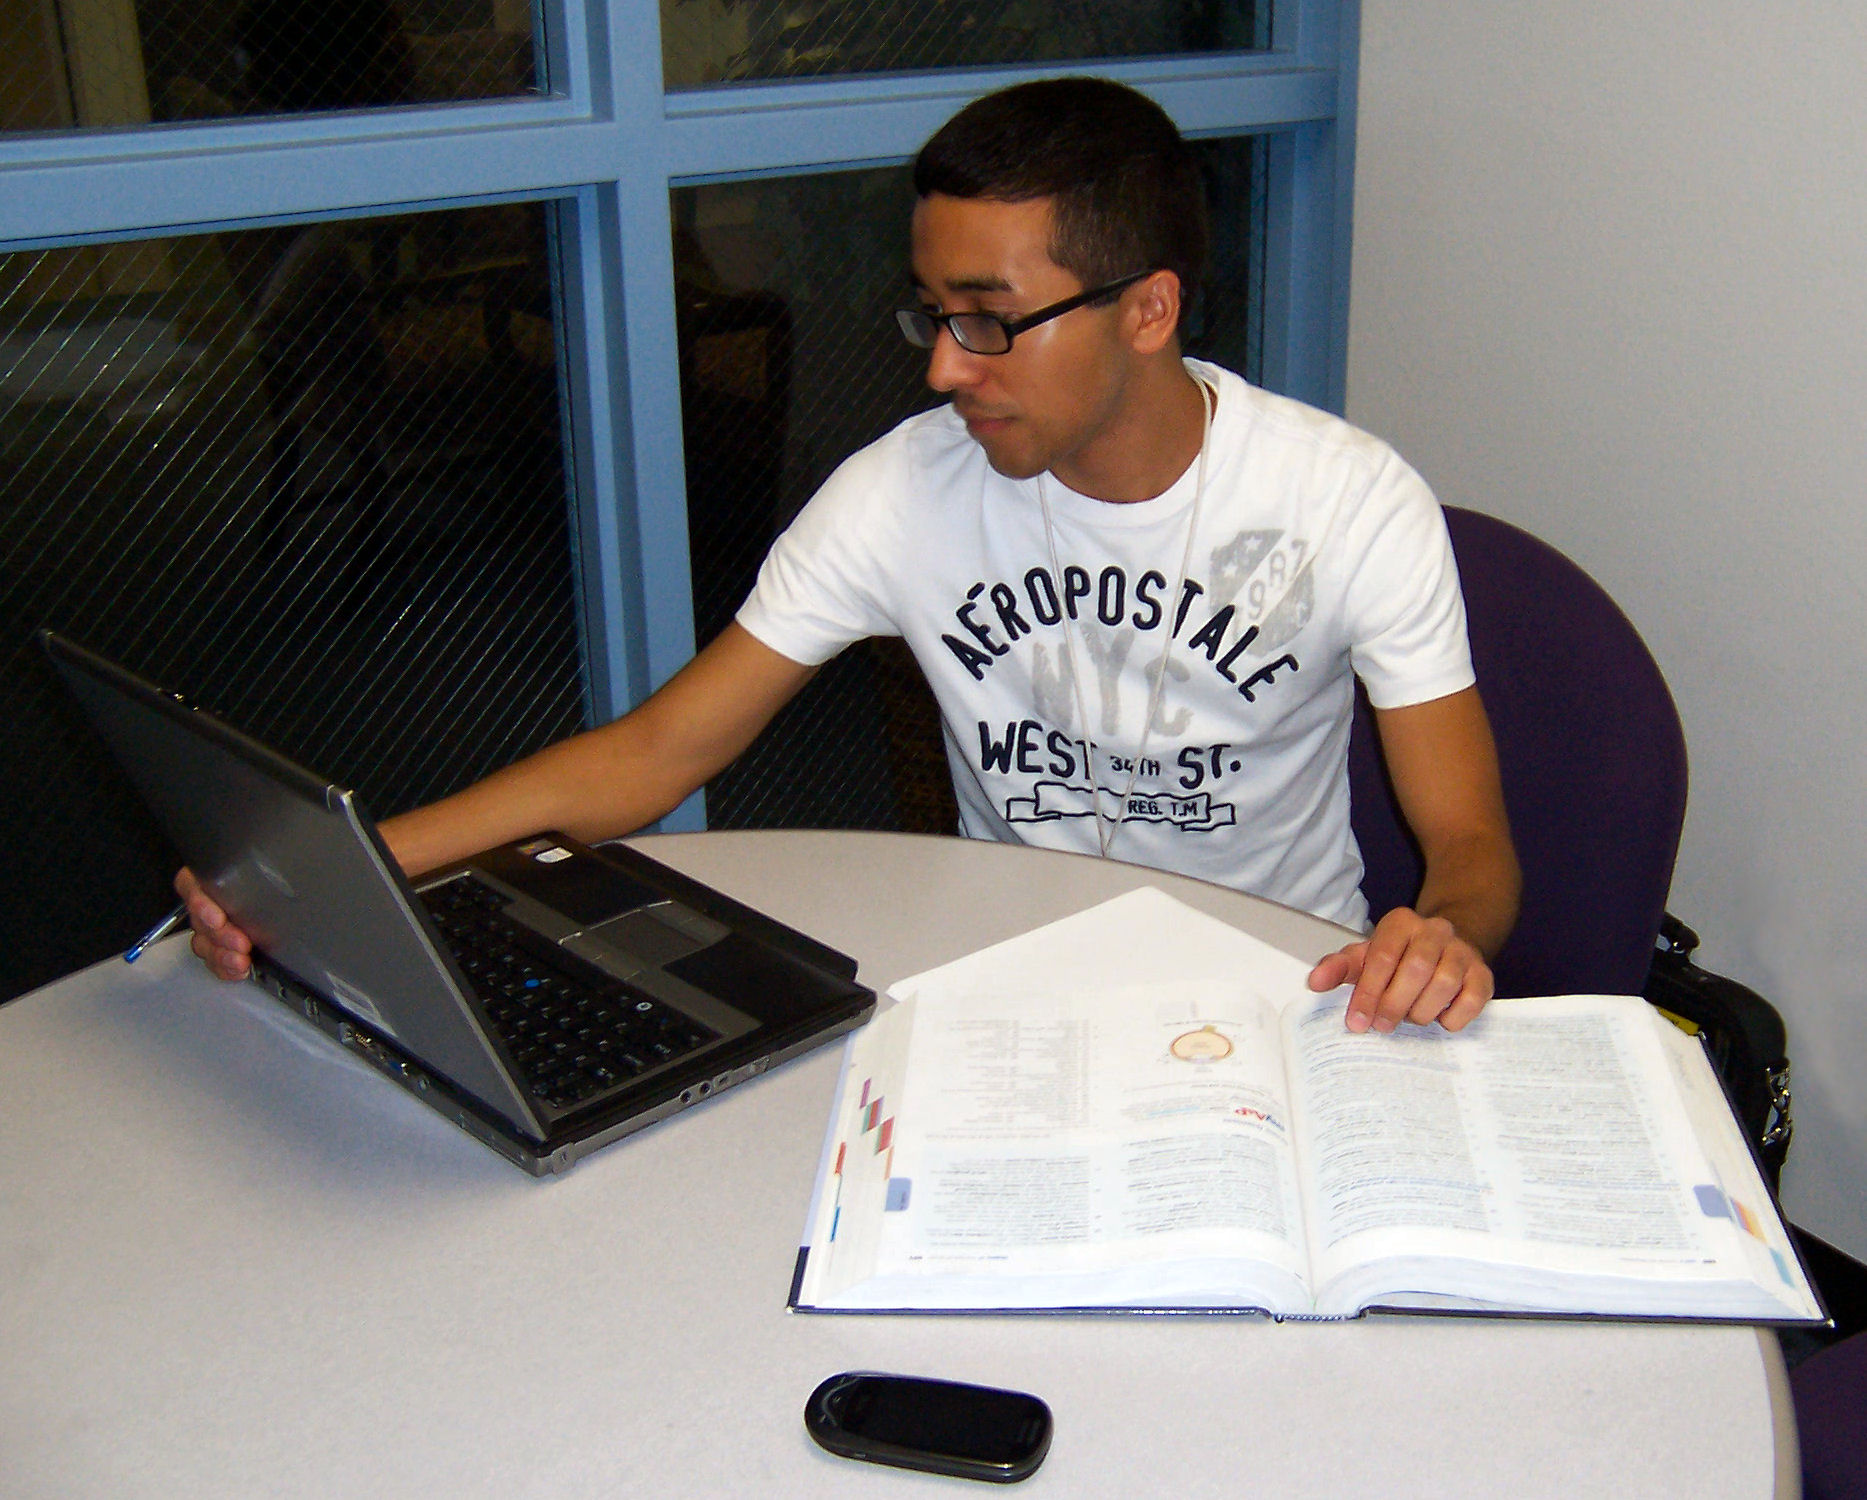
(1736, 1193)
(852, 1191)
(1170, 1114)
(1096, 1148)
(1546, 1135)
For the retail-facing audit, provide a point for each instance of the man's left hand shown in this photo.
(1410, 968)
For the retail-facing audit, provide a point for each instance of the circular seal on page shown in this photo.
(1205, 1045)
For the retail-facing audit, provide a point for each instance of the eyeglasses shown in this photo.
(987, 333)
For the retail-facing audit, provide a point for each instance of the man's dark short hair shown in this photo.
(1126, 189)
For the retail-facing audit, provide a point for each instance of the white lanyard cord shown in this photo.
(1105, 832)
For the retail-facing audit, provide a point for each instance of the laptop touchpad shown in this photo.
(645, 935)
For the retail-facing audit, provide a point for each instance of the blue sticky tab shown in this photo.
(1712, 1203)
(898, 1188)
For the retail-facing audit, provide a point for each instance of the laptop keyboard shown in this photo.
(574, 1032)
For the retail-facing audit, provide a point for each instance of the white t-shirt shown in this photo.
(1318, 555)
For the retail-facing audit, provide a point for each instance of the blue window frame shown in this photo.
(606, 144)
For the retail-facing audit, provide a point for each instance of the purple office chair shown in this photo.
(1593, 760)
(1830, 1393)
(1594, 767)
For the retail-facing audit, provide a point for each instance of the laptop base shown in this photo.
(539, 1158)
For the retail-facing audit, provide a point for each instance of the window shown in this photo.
(707, 41)
(526, 209)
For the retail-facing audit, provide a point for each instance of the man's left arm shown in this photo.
(1431, 961)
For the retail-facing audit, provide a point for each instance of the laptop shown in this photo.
(545, 996)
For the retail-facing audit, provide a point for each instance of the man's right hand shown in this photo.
(223, 947)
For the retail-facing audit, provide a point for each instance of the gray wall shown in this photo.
(1610, 283)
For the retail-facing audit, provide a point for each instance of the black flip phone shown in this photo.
(973, 1431)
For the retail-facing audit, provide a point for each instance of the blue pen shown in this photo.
(155, 934)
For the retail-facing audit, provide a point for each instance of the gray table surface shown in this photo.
(235, 1262)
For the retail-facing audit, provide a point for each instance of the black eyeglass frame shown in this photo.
(922, 328)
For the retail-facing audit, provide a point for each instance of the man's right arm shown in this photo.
(599, 784)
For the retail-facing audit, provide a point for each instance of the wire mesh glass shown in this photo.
(791, 360)
(713, 41)
(76, 64)
(312, 478)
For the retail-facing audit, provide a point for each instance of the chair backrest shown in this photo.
(1593, 762)
(1830, 1392)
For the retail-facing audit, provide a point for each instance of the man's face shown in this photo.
(1053, 396)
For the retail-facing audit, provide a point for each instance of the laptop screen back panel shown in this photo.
(294, 864)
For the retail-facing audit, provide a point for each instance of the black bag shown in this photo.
(1743, 1035)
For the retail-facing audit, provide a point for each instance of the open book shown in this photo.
(1140, 1107)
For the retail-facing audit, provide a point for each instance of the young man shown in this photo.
(1139, 588)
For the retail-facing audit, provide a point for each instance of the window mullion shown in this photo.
(740, 131)
(46, 203)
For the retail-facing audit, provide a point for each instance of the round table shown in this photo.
(234, 1261)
